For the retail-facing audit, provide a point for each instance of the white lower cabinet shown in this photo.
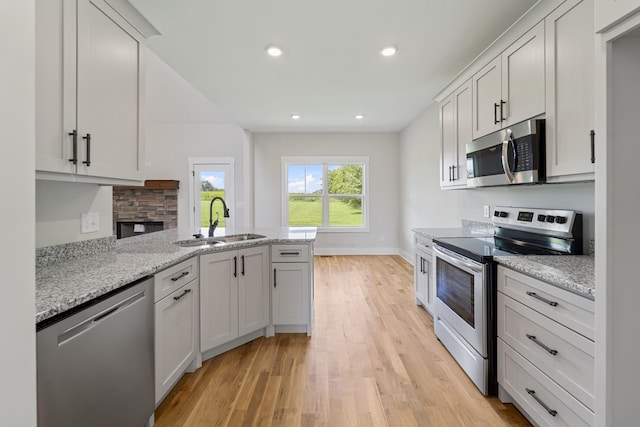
(291, 290)
(176, 324)
(424, 285)
(545, 350)
(234, 295)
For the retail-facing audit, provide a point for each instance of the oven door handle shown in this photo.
(457, 260)
(508, 140)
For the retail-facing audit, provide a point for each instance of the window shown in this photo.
(329, 193)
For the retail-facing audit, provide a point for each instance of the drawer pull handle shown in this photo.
(547, 348)
(290, 253)
(538, 297)
(175, 279)
(551, 412)
(186, 291)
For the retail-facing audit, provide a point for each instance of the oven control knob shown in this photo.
(542, 218)
(551, 218)
(503, 214)
(561, 219)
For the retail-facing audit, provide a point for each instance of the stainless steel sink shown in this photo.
(240, 237)
(198, 242)
(210, 241)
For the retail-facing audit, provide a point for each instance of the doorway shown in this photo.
(211, 178)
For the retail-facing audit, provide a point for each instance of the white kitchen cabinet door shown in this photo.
(464, 131)
(511, 88)
(447, 140)
(420, 279)
(290, 293)
(610, 12)
(89, 80)
(455, 133)
(55, 85)
(523, 78)
(218, 299)
(570, 92)
(487, 87)
(253, 289)
(176, 336)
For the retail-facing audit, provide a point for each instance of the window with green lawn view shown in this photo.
(327, 193)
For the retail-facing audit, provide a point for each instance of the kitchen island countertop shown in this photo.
(64, 285)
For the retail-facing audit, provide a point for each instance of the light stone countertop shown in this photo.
(67, 284)
(574, 273)
(435, 233)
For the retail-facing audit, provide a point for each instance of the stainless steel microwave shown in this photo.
(514, 155)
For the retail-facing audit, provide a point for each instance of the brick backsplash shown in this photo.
(146, 205)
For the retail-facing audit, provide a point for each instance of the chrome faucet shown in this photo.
(213, 224)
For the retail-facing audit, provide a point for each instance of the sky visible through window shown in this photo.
(216, 178)
(306, 179)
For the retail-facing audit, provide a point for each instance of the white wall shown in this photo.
(17, 166)
(425, 205)
(384, 180)
(59, 209)
(182, 123)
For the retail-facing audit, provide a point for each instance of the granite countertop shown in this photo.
(574, 273)
(63, 285)
(469, 228)
(435, 233)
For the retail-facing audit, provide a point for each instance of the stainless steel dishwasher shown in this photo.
(96, 365)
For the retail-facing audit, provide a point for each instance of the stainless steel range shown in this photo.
(465, 274)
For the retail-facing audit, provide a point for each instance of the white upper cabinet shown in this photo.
(570, 92)
(610, 12)
(455, 134)
(88, 93)
(511, 88)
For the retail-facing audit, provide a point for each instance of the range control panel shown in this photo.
(546, 221)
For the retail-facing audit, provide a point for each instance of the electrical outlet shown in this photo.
(486, 211)
(90, 222)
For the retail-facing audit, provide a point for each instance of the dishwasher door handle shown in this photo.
(92, 322)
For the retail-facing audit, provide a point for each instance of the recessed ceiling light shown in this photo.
(273, 50)
(359, 116)
(388, 50)
(295, 116)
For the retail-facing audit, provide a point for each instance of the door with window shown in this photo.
(212, 180)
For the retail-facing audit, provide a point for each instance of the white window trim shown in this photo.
(319, 160)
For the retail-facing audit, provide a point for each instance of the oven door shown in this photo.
(460, 296)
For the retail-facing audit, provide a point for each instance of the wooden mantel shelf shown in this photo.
(152, 184)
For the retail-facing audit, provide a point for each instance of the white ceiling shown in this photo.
(331, 69)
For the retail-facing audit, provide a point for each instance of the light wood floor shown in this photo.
(373, 360)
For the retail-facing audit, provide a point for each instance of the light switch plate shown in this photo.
(90, 222)
(486, 211)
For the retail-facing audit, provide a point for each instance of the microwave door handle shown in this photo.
(505, 159)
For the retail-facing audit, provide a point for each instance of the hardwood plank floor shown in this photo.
(373, 360)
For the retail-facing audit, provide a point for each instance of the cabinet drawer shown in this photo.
(573, 311)
(289, 253)
(174, 277)
(568, 357)
(526, 383)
